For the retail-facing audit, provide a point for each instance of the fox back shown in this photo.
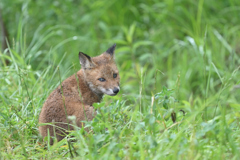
(75, 96)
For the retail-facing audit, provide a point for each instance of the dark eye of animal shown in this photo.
(114, 75)
(101, 79)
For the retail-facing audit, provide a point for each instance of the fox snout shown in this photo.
(111, 92)
(115, 90)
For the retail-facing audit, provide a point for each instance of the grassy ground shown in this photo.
(177, 59)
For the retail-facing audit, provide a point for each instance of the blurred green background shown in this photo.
(190, 46)
(172, 37)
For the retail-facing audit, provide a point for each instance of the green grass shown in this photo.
(176, 57)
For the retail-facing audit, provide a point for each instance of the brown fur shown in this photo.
(79, 104)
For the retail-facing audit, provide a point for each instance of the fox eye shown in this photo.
(101, 79)
(114, 75)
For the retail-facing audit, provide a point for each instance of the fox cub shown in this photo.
(75, 96)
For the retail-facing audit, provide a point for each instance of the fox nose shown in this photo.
(115, 90)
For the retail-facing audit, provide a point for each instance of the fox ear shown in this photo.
(85, 61)
(111, 50)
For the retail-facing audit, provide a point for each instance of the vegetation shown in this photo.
(179, 61)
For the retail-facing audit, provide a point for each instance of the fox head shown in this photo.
(101, 73)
